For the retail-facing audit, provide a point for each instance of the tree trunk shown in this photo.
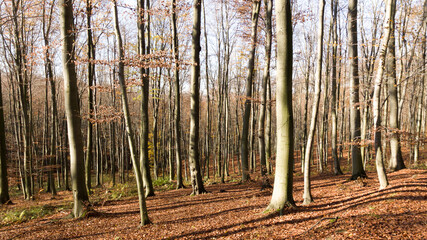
(49, 77)
(175, 47)
(422, 87)
(396, 160)
(208, 117)
(283, 180)
(310, 138)
(136, 167)
(145, 165)
(249, 82)
(23, 100)
(72, 108)
(268, 128)
(91, 75)
(356, 158)
(170, 138)
(4, 186)
(306, 83)
(334, 104)
(376, 111)
(266, 76)
(196, 177)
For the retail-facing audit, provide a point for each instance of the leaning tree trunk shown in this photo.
(126, 112)
(72, 108)
(310, 138)
(148, 183)
(249, 82)
(196, 177)
(356, 157)
(4, 187)
(283, 180)
(376, 111)
(175, 47)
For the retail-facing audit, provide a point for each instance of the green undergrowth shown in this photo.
(420, 166)
(107, 192)
(19, 215)
(120, 191)
(163, 184)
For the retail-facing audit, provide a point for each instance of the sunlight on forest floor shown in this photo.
(342, 209)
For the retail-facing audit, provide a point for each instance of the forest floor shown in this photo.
(342, 209)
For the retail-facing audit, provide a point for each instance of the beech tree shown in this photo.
(24, 91)
(283, 179)
(389, 21)
(356, 158)
(47, 28)
(249, 82)
(265, 79)
(149, 189)
(4, 185)
(147, 60)
(196, 176)
(128, 124)
(177, 117)
(90, 78)
(307, 187)
(72, 108)
(334, 103)
(396, 159)
(422, 88)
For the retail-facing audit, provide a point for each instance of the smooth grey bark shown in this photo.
(306, 83)
(356, 158)
(23, 85)
(208, 117)
(171, 133)
(90, 78)
(396, 159)
(220, 99)
(128, 124)
(422, 88)
(175, 48)
(225, 90)
(4, 185)
(98, 150)
(334, 103)
(268, 128)
(156, 104)
(249, 82)
(49, 78)
(376, 110)
(72, 109)
(144, 75)
(196, 177)
(252, 162)
(283, 180)
(266, 76)
(366, 78)
(317, 85)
